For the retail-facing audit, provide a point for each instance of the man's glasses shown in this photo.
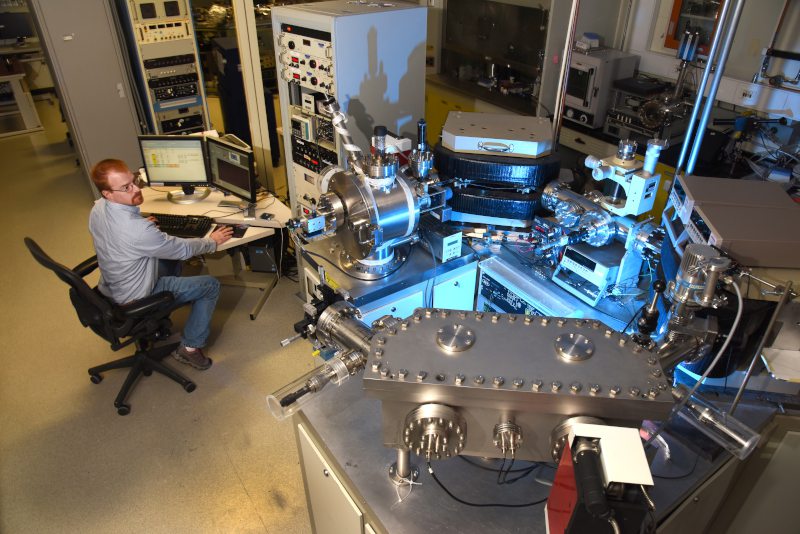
(137, 182)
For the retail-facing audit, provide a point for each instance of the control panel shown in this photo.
(342, 49)
(305, 57)
(306, 65)
(161, 35)
(505, 288)
(578, 115)
(587, 271)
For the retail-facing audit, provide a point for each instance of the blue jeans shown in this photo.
(202, 292)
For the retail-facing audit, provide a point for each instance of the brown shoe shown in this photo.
(196, 359)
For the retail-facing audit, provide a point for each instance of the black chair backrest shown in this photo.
(94, 310)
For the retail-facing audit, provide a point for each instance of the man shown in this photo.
(132, 254)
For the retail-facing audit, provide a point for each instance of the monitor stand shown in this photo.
(188, 195)
(248, 209)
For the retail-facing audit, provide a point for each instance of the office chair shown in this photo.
(141, 322)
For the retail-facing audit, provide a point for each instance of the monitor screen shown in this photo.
(174, 159)
(16, 25)
(231, 169)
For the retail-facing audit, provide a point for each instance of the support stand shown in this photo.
(188, 195)
(237, 279)
(401, 471)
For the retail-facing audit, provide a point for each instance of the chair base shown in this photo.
(143, 362)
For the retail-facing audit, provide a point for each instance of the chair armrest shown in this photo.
(146, 305)
(86, 266)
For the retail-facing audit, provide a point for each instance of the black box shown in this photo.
(262, 259)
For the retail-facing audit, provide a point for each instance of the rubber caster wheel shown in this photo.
(124, 409)
(191, 386)
(147, 372)
(96, 379)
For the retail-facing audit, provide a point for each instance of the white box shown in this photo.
(497, 133)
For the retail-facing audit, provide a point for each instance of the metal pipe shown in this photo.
(701, 89)
(730, 30)
(558, 110)
(784, 298)
(403, 469)
(625, 25)
(748, 274)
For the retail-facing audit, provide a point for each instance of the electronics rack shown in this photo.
(162, 40)
(369, 56)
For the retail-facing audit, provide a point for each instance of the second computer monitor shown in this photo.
(231, 169)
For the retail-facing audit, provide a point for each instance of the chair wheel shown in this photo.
(96, 379)
(163, 333)
(191, 386)
(147, 372)
(124, 409)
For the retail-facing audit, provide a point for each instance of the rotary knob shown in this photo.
(312, 63)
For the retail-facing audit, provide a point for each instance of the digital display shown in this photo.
(231, 169)
(701, 225)
(679, 192)
(233, 175)
(174, 160)
(580, 259)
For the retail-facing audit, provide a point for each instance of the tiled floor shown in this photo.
(210, 461)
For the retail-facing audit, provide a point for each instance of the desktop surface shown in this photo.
(275, 212)
(270, 212)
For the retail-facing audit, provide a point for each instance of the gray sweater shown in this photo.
(129, 246)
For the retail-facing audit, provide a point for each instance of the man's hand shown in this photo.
(153, 220)
(221, 234)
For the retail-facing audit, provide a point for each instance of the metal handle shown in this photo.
(325, 472)
(288, 340)
(491, 146)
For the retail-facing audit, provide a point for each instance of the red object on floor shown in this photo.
(563, 496)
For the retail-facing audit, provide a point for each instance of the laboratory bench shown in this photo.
(345, 470)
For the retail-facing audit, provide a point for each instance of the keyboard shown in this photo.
(183, 225)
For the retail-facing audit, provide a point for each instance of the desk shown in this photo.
(155, 201)
(12, 74)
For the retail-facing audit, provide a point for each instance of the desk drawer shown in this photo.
(586, 144)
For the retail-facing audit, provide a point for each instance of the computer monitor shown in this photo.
(16, 27)
(231, 169)
(176, 160)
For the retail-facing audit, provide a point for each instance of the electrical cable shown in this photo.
(431, 282)
(677, 477)
(500, 471)
(478, 505)
(708, 370)
(331, 263)
(494, 469)
(637, 312)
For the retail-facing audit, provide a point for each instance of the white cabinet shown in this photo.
(331, 508)
(402, 307)
(456, 293)
(454, 290)
(585, 144)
